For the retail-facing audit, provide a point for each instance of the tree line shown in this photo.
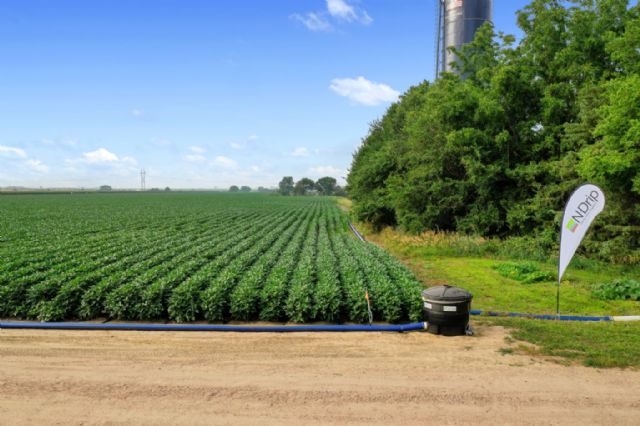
(244, 188)
(497, 150)
(305, 186)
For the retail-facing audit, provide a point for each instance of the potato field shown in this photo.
(193, 257)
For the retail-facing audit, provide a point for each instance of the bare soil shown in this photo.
(89, 377)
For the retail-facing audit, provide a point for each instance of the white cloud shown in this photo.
(12, 151)
(341, 9)
(137, 113)
(62, 142)
(325, 170)
(313, 21)
(362, 91)
(32, 164)
(129, 160)
(235, 145)
(195, 158)
(252, 138)
(225, 162)
(365, 19)
(102, 157)
(197, 149)
(99, 156)
(37, 165)
(301, 151)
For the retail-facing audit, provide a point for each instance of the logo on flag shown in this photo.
(583, 206)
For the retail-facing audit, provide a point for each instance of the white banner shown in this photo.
(583, 206)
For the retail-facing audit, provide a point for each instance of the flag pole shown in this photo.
(558, 299)
(559, 276)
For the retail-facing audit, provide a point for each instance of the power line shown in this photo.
(143, 180)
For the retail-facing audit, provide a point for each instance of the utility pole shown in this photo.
(143, 183)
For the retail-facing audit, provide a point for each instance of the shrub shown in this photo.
(621, 289)
(525, 272)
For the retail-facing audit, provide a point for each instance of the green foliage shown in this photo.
(498, 151)
(189, 256)
(621, 289)
(525, 272)
(285, 187)
(449, 259)
(613, 160)
(303, 186)
(299, 303)
(326, 185)
(354, 281)
(328, 297)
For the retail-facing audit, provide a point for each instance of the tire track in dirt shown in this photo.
(356, 378)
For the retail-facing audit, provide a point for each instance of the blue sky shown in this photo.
(202, 93)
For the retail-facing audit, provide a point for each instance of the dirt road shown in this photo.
(199, 378)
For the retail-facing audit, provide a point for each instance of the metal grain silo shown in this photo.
(458, 21)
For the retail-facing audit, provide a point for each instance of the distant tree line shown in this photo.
(305, 186)
(498, 151)
(235, 188)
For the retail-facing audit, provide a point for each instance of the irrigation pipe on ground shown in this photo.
(209, 327)
(556, 317)
(355, 231)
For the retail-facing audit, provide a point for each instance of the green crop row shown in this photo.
(194, 257)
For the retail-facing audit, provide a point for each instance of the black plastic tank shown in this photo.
(446, 310)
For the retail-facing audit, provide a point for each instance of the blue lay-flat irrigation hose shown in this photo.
(556, 317)
(398, 328)
(209, 327)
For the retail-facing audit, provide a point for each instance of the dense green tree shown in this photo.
(326, 185)
(303, 185)
(285, 187)
(234, 188)
(497, 150)
(245, 189)
(340, 191)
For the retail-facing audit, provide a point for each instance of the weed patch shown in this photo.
(622, 289)
(525, 272)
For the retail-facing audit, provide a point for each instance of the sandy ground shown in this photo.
(83, 377)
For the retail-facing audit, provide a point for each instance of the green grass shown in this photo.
(525, 272)
(437, 264)
(460, 260)
(494, 292)
(601, 344)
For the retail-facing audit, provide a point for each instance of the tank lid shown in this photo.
(447, 292)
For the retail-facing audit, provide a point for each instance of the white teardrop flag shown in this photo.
(583, 206)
